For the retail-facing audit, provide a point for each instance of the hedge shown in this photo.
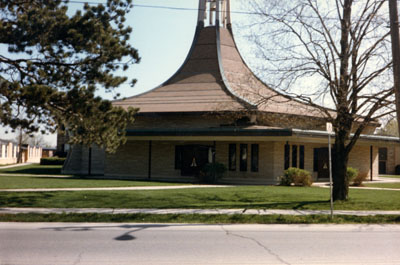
(52, 161)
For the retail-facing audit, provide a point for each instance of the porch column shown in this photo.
(149, 169)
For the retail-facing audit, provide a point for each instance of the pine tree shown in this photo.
(56, 61)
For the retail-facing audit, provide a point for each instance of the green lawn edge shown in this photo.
(200, 218)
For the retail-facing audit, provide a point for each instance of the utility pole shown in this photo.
(394, 32)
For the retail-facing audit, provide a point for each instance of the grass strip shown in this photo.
(200, 218)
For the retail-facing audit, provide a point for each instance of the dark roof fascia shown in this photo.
(49, 149)
(246, 103)
(210, 132)
(324, 134)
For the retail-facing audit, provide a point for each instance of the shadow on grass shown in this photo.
(23, 200)
(34, 171)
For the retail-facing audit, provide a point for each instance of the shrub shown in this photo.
(397, 170)
(358, 180)
(52, 160)
(296, 176)
(351, 174)
(212, 172)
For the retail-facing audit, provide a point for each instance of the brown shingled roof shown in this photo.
(213, 78)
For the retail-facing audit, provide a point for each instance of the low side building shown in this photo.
(9, 153)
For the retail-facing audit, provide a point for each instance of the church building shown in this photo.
(214, 109)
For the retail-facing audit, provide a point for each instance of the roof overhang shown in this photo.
(220, 131)
(262, 134)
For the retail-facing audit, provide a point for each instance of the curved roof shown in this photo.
(213, 78)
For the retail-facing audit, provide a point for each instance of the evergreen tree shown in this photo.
(56, 61)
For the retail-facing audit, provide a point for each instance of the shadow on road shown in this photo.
(126, 236)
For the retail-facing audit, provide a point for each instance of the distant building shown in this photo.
(9, 153)
(214, 109)
(48, 152)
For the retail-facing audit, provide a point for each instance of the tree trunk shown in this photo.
(340, 160)
(19, 156)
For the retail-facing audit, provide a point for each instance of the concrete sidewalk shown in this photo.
(13, 210)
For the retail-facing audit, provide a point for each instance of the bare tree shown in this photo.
(390, 129)
(329, 53)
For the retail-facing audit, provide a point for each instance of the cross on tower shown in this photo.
(216, 11)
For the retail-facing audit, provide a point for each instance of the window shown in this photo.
(178, 157)
(383, 154)
(232, 157)
(315, 159)
(294, 155)
(254, 157)
(1, 150)
(287, 156)
(301, 159)
(12, 150)
(5, 150)
(382, 160)
(243, 157)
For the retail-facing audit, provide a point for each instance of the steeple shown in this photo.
(214, 77)
(216, 12)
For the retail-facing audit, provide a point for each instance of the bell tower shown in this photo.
(215, 12)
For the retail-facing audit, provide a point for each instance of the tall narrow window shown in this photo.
(5, 150)
(294, 155)
(1, 150)
(382, 160)
(301, 159)
(178, 157)
(243, 157)
(254, 157)
(287, 156)
(232, 157)
(315, 168)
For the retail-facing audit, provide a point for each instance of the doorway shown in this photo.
(322, 162)
(194, 157)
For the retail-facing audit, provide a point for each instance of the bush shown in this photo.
(359, 179)
(397, 170)
(52, 160)
(296, 176)
(212, 172)
(351, 174)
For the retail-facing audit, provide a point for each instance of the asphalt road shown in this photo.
(68, 243)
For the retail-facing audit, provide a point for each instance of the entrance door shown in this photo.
(194, 157)
(323, 163)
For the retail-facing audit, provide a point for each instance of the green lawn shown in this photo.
(390, 176)
(15, 181)
(395, 185)
(257, 197)
(35, 169)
